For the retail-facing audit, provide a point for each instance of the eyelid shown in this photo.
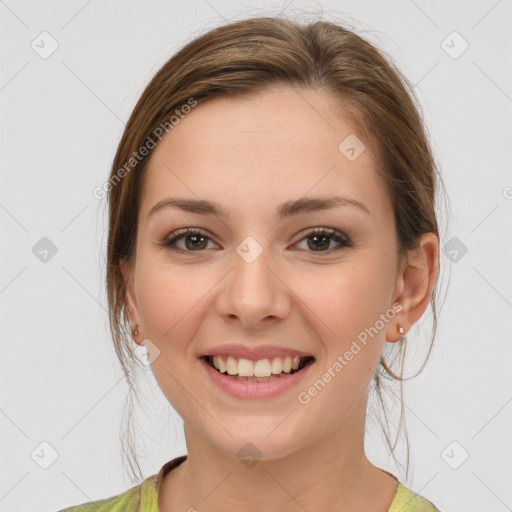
(188, 230)
(317, 229)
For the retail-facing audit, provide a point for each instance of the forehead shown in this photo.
(266, 147)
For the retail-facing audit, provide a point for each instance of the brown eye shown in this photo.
(321, 240)
(194, 240)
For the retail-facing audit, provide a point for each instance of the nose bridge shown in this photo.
(253, 293)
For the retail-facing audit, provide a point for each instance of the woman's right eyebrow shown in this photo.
(289, 208)
(200, 206)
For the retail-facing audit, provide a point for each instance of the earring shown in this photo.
(400, 329)
(135, 332)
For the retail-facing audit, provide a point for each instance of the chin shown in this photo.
(258, 444)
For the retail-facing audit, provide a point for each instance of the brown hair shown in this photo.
(250, 56)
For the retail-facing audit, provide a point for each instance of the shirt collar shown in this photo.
(151, 486)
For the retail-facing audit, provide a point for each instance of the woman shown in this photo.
(272, 226)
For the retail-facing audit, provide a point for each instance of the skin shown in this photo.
(250, 155)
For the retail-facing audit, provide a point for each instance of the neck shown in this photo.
(326, 474)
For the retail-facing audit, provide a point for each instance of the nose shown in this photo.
(254, 293)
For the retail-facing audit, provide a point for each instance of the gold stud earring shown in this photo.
(135, 332)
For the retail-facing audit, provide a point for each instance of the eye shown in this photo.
(194, 239)
(320, 239)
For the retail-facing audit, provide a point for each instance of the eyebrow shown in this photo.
(295, 207)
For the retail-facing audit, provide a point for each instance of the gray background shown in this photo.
(62, 117)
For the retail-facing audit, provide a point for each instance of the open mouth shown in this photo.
(257, 371)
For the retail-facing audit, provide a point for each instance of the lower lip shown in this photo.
(248, 390)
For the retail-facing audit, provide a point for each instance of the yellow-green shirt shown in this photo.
(144, 497)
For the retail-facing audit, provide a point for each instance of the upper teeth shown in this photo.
(260, 368)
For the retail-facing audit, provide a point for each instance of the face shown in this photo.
(255, 274)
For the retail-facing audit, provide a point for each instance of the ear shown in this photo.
(130, 300)
(415, 285)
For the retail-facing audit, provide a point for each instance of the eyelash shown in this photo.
(337, 236)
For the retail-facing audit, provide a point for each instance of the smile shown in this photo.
(262, 370)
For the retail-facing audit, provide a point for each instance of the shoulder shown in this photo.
(408, 501)
(141, 498)
(128, 501)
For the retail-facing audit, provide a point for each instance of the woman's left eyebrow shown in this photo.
(289, 208)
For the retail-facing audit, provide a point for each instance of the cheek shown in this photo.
(172, 306)
(347, 304)
(170, 301)
(347, 298)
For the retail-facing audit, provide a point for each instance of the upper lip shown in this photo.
(254, 353)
